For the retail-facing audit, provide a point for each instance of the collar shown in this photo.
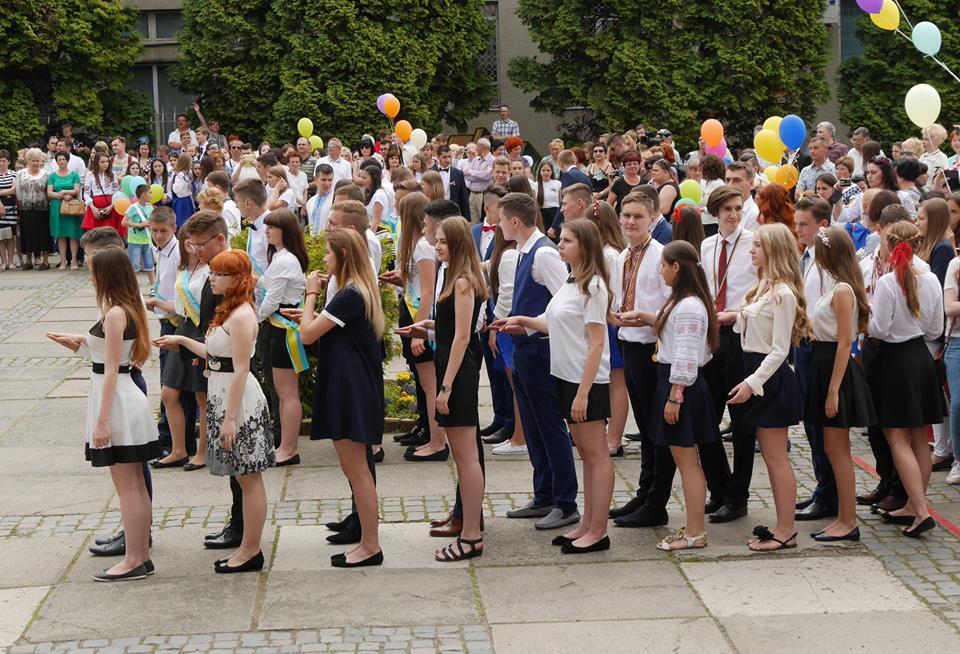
(809, 250)
(530, 242)
(734, 236)
(258, 221)
(167, 249)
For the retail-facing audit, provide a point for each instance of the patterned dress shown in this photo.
(253, 448)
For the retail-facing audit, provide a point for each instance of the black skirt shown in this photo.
(781, 404)
(904, 385)
(405, 320)
(35, 231)
(698, 420)
(277, 337)
(855, 406)
(184, 371)
(598, 400)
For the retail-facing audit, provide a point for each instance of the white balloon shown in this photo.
(923, 105)
(418, 137)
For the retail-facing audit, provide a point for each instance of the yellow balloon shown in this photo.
(773, 124)
(156, 193)
(888, 17)
(316, 142)
(305, 127)
(771, 172)
(768, 145)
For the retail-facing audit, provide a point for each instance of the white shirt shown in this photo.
(824, 318)
(551, 193)
(283, 281)
(422, 251)
(298, 184)
(816, 282)
(568, 317)
(891, 320)
(174, 137)
(257, 246)
(98, 185)
(868, 266)
(548, 269)
(486, 238)
(766, 326)
(741, 275)
(445, 178)
(375, 248)
(168, 264)
(341, 168)
(750, 214)
(651, 291)
(683, 341)
(950, 284)
(317, 217)
(506, 273)
(382, 198)
(181, 185)
(289, 196)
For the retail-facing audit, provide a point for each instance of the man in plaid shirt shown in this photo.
(505, 127)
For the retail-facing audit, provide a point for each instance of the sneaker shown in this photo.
(506, 448)
(954, 476)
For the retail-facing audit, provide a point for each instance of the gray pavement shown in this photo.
(885, 594)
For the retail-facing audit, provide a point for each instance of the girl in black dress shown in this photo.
(348, 404)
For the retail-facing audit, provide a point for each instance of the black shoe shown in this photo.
(600, 546)
(499, 436)
(292, 461)
(635, 436)
(713, 506)
(442, 455)
(148, 564)
(190, 467)
(103, 540)
(727, 513)
(340, 561)
(823, 538)
(816, 511)
(407, 434)
(158, 464)
(645, 516)
(628, 508)
(379, 455)
(140, 572)
(350, 522)
(560, 541)
(804, 504)
(115, 547)
(617, 453)
(217, 534)
(228, 539)
(415, 440)
(920, 529)
(874, 496)
(944, 465)
(254, 564)
(345, 537)
(492, 428)
(726, 431)
(906, 520)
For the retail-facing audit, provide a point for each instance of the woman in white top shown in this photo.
(907, 308)
(576, 319)
(712, 169)
(279, 193)
(773, 318)
(548, 193)
(687, 334)
(281, 287)
(378, 200)
(838, 397)
(951, 356)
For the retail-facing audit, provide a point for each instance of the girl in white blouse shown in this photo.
(773, 318)
(907, 309)
(687, 334)
(576, 319)
(281, 287)
(838, 397)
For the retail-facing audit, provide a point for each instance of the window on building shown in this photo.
(167, 24)
(143, 24)
(850, 45)
(489, 61)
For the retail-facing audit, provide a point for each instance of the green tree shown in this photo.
(872, 85)
(330, 61)
(674, 63)
(67, 60)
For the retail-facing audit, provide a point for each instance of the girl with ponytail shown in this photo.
(907, 310)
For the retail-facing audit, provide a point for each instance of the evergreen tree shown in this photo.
(674, 63)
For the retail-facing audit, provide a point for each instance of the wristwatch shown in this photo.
(443, 388)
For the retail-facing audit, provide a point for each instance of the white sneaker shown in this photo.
(954, 476)
(507, 448)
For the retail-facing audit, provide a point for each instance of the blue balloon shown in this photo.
(926, 38)
(792, 131)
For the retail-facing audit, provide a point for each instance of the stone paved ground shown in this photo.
(522, 596)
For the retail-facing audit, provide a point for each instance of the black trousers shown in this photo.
(640, 374)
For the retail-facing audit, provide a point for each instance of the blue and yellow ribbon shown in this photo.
(191, 306)
(298, 356)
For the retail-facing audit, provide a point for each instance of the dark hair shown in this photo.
(520, 205)
(141, 189)
(220, 179)
(163, 215)
(891, 214)
(630, 155)
(251, 189)
(5, 154)
(819, 207)
(688, 225)
(887, 173)
(443, 149)
(268, 159)
(909, 169)
(712, 167)
(720, 196)
(206, 221)
(880, 201)
(690, 281)
(323, 169)
(350, 190)
(375, 179)
(162, 179)
(101, 237)
(179, 116)
(870, 150)
(289, 226)
(206, 167)
(440, 209)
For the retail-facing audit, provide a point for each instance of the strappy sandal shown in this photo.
(689, 542)
(449, 555)
(765, 535)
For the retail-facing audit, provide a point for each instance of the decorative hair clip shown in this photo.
(822, 235)
(677, 216)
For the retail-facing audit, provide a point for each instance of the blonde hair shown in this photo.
(353, 261)
(432, 185)
(937, 134)
(33, 153)
(211, 198)
(905, 233)
(464, 259)
(782, 267)
(937, 212)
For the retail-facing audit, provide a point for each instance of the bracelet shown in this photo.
(673, 401)
(309, 293)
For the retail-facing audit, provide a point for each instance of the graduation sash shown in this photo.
(294, 345)
(191, 306)
(174, 319)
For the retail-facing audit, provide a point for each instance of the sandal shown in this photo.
(689, 542)
(764, 535)
(449, 555)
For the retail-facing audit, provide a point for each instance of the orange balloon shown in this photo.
(712, 132)
(788, 176)
(121, 205)
(391, 107)
(404, 129)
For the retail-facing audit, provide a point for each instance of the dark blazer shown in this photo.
(477, 231)
(459, 193)
(569, 178)
(663, 232)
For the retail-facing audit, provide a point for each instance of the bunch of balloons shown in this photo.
(415, 137)
(779, 135)
(388, 105)
(305, 127)
(130, 183)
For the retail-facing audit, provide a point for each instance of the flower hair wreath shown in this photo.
(822, 235)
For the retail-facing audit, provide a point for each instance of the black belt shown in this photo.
(98, 369)
(219, 364)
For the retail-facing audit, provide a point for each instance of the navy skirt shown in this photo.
(616, 359)
(781, 404)
(855, 406)
(698, 420)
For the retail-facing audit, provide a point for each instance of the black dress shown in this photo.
(348, 397)
(465, 389)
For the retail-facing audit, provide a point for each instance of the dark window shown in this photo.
(168, 23)
(489, 61)
(850, 45)
(142, 26)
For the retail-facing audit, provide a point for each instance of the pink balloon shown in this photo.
(870, 6)
(720, 149)
(380, 102)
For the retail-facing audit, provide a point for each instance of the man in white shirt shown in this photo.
(318, 207)
(860, 136)
(478, 173)
(251, 198)
(811, 214)
(741, 176)
(178, 138)
(726, 262)
(75, 164)
(341, 168)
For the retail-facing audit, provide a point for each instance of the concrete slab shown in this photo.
(371, 596)
(197, 603)
(174, 488)
(874, 631)
(25, 389)
(40, 560)
(585, 591)
(16, 609)
(393, 480)
(35, 333)
(38, 348)
(84, 312)
(71, 388)
(66, 494)
(24, 462)
(786, 586)
(693, 635)
(10, 299)
(57, 422)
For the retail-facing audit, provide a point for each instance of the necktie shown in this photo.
(722, 275)
(804, 261)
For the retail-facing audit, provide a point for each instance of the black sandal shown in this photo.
(765, 535)
(449, 555)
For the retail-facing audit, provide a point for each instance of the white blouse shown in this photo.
(283, 281)
(181, 185)
(891, 320)
(766, 326)
(568, 315)
(422, 251)
(683, 341)
(824, 318)
(551, 193)
(99, 185)
(506, 275)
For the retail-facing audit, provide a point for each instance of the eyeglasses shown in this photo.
(599, 151)
(196, 247)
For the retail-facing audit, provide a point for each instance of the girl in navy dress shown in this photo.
(348, 405)
(773, 318)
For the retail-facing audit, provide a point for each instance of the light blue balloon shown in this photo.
(792, 131)
(926, 38)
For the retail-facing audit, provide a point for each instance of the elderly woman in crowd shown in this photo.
(34, 206)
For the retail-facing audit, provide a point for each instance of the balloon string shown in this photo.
(903, 35)
(944, 66)
(902, 13)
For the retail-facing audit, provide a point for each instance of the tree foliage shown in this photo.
(674, 63)
(263, 64)
(873, 84)
(67, 60)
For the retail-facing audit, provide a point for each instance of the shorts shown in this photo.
(141, 256)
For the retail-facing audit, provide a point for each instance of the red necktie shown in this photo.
(722, 276)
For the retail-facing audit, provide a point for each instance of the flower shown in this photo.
(403, 376)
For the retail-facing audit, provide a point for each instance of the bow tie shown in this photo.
(444, 170)
(489, 228)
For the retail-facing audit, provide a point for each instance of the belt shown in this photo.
(219, 364)
(98, 369)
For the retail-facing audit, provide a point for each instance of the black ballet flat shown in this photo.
(821, 537)
(140, 572)
(340, 561)
(378, 455)
(925, 526)
(906, 520)
(345, 537)
(560, 541)
(254, 564)
(600, 546)
(617, 452)
(157, 464)
(442, 455)
(292, 461)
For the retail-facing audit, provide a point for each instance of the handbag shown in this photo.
(72, 208)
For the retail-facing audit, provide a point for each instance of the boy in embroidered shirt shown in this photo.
(139, 245)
